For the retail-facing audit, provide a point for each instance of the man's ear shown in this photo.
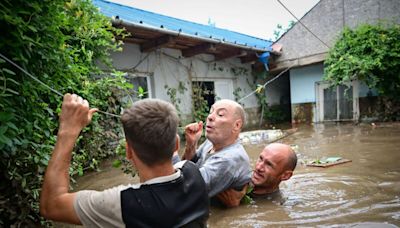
(286, 175)
(129, 152)
(238, 125)
(177, 143)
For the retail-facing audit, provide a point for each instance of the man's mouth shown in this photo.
(257, 175)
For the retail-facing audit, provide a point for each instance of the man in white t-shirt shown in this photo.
(167, 195)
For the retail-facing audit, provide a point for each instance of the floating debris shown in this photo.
(268, 136)
(328, 162)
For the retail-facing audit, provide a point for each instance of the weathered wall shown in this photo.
(368, 107)
(303, 113)
(278, 92)
(302, 51)
(326, 20)
(302, 83)
(166, 67)
(302, 93)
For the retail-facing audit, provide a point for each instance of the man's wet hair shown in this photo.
(292, 160)
(150, 128)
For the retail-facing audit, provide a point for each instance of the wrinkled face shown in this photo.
(221, 122)
(269, 168)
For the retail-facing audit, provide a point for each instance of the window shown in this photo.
(139, 82)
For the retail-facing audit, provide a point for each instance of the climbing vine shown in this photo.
(199, 103)
(269, 114)
(369, 53)
(173, 95)
(58, 42)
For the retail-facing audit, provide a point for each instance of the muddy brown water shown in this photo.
(362, 193)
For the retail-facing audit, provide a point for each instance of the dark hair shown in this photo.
(150, 127)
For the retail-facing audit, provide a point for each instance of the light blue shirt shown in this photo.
(227, 168)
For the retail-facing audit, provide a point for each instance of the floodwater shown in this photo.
(362, 193)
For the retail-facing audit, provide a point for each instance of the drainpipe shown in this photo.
(117, 22)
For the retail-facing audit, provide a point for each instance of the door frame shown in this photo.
(319, 88)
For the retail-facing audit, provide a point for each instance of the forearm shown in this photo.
(190, 151)
(56, 202)
(56, 180)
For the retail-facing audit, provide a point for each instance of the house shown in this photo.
(301, 87)
(173, 59)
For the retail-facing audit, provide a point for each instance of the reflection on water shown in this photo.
(362, 193)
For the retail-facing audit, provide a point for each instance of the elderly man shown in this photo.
(222, 160)
(150, 128)
(275, 164)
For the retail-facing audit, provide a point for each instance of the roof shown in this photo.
(147, 26)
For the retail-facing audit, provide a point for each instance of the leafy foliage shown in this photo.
(199, 103)
(247, 199)
(58, 42)
(274, 114)
(173, 95)
(370, 53)
(280, 30)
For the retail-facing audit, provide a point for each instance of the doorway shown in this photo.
(338, 103)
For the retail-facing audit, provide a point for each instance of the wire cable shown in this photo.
(265, 84)
(45, 85)
(303, 24)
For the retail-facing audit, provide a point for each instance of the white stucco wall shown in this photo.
(167, 67)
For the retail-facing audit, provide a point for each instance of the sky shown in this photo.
(258, 18)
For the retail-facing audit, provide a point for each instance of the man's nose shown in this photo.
(210, 117)
(259, 166)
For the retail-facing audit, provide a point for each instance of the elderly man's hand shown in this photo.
(193, 133)
(231, 197)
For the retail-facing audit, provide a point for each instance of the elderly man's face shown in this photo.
(269, 168)
(221, 122)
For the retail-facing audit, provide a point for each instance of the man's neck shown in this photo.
(219, 146)
(147, 173)
(264, 191)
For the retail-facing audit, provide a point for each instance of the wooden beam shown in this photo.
(251, 57)
(279, 65)
(199, 49)
(258, 67)
(226, 55)
(133, 40)
(156, 43)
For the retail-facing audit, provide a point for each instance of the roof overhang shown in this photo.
(150, 38)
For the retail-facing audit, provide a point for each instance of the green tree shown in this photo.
(280, 30)
(369, 53)
(59, 42)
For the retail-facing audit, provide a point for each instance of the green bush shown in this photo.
(369, 53)
(58, 42)
(274, 114)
